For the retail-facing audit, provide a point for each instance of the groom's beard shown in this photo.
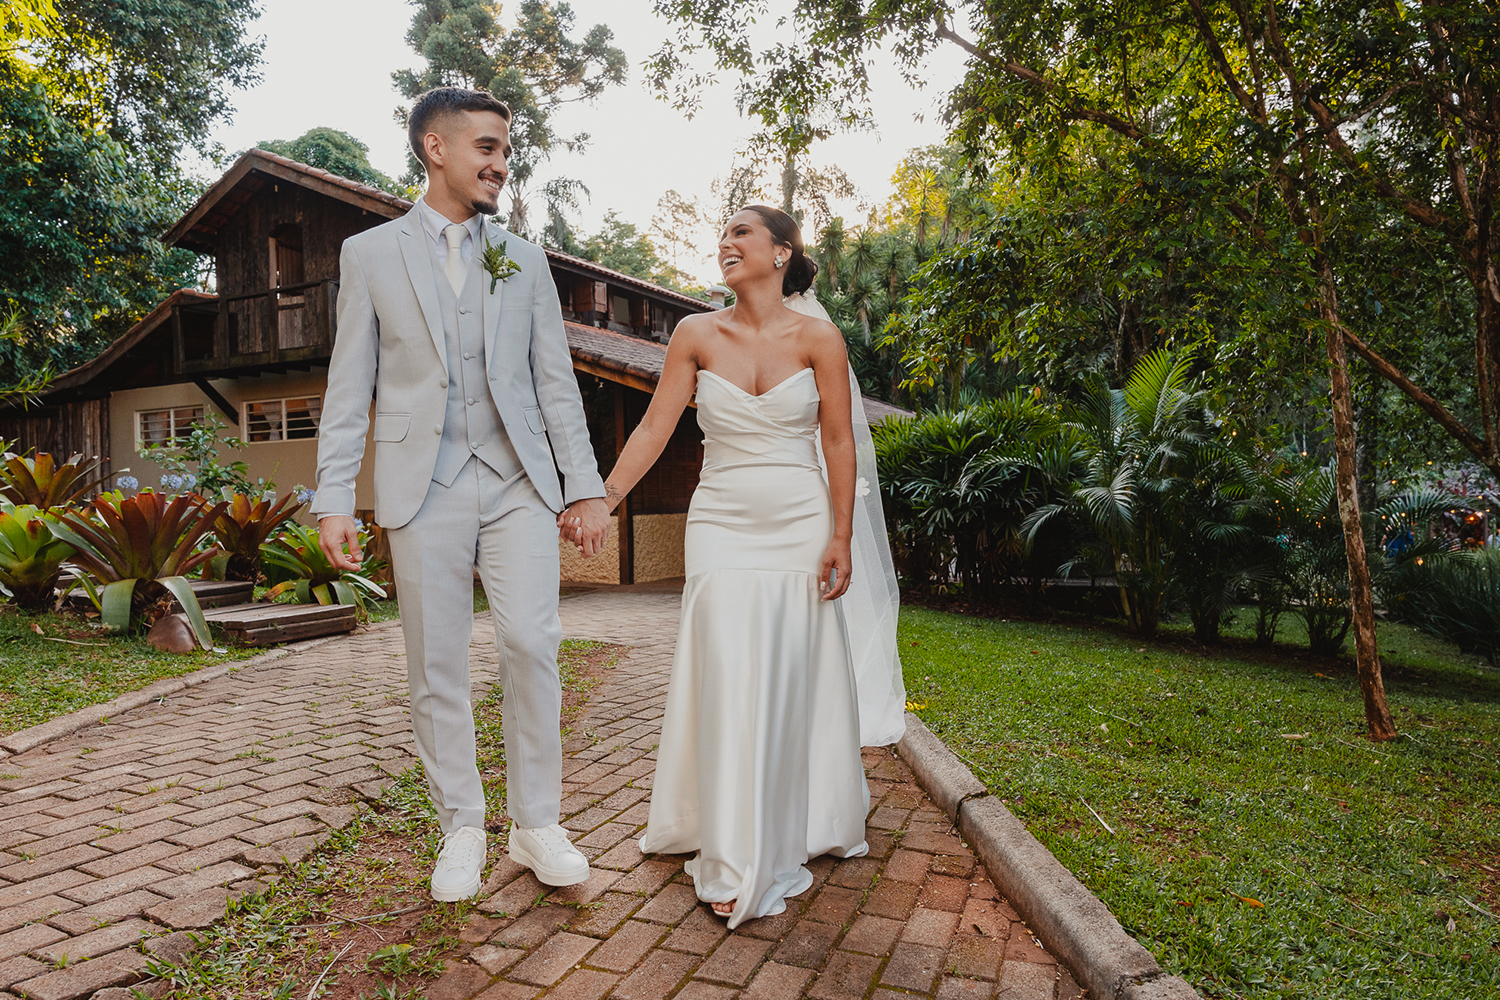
(489, 204)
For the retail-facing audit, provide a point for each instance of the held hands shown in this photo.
(835, 558)
(334, 532)
(585, 524)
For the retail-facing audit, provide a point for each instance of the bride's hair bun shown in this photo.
(801, 269)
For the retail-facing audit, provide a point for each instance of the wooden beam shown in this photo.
(627, 536)
(630, 379)
(225, 406)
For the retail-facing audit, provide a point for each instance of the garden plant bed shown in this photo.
(1261, 846)
(279, 943)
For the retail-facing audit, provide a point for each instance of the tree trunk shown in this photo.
(1346, 482)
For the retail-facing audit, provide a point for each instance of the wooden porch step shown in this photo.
(265, 624)
(217, 593)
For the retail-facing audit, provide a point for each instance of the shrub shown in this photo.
(1453, 595)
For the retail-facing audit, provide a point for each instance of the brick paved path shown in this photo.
(141, 827)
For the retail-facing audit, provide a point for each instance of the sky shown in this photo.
(329, 63)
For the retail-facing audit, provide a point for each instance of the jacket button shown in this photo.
(442, 383)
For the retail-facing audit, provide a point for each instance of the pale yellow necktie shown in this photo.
(454, 266)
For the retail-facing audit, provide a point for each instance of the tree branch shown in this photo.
(1221, 61)
(1031, 76)
(1425, 402)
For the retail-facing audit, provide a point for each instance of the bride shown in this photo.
(786, 660)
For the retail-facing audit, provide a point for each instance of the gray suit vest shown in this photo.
(471, 425)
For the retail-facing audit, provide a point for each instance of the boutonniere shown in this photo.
(497, 263)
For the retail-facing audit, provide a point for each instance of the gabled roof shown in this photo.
(198, 230)
(84, 373)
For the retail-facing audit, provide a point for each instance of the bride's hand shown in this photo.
(835, 557)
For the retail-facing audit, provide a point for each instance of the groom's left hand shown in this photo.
(586, 524)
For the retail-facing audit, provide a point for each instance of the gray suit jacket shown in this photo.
(390, 342)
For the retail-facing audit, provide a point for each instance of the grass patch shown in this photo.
(277, 943)
(1262, 847)
(71, 663)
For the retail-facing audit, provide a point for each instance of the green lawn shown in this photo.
(1261, 846)
(71, 664)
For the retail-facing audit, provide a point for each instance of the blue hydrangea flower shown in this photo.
(305, 495)
(127, 483)
(171, 480)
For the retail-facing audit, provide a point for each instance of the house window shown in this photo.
(165, 426)
(282, 419)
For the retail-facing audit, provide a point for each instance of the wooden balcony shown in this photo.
(291, 325)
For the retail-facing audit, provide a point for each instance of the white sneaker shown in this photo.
(550, 855)
(459, 865)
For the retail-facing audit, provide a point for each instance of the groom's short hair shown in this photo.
(441, 102)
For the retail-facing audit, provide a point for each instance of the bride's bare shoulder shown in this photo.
(818, 334)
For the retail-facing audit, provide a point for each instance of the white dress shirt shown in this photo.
(434, 222)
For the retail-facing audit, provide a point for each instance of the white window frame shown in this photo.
(314, 397)
(174, 432)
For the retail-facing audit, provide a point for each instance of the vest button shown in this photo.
(471, 400)
(438, 429)
(463, 310)
(442, 383)
(468, 357)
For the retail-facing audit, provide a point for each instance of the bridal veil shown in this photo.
(870, 607)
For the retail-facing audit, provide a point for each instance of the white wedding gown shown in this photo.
(759, 765)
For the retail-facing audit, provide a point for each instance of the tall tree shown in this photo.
(1323, 105)
(337, 152)
(99, 98)
(535, 67)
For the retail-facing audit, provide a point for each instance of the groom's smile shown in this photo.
(468, 161)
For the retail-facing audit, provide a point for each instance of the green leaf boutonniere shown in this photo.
(497, 263)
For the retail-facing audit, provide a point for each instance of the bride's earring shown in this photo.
(779, 263)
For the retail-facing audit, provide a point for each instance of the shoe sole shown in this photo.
(519, 855)
(454, 895)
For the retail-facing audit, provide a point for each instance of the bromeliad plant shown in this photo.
(244, 527)
(313, 577)
(137, 551)
(40, 482)
(31, 556)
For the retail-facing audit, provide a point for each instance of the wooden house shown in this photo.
(256, 353)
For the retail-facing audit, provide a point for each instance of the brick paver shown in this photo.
(152, 820)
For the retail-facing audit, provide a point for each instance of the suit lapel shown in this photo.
(491, 313)
(418, 257)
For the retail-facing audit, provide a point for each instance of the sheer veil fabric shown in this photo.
(870, 608)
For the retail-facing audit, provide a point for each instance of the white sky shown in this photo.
(329, 63)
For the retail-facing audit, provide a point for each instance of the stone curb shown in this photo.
(1068, 919)
(66, 725)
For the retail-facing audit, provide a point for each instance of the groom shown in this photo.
(454, 325)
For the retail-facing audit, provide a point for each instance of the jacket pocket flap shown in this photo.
(392, 426)
(534, 419)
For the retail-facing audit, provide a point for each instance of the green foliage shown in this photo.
(623, 247)
(1452, 595)
(338, 153)
(42, 483)
(95, 109)
(312, 577)
(1359, 855)
(193, 462)
(244, 526)
(137, 552)
(31, 556)
(958, 485)
(1137, 443)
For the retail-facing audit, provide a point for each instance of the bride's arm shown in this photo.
(679, 378)
(830, 364)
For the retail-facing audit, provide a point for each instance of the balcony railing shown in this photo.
(286, 325)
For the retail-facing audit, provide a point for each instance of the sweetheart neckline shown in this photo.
(753, 395)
